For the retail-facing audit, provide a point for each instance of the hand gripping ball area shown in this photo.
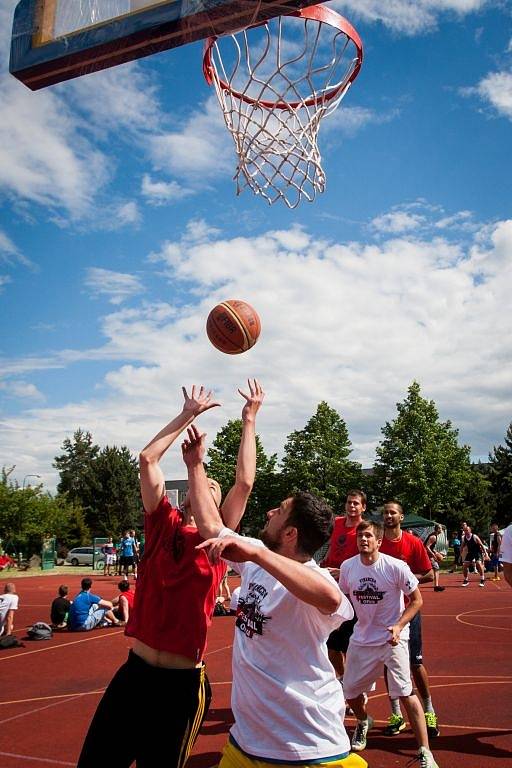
(233, 326)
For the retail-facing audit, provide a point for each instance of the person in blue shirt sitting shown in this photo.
(89, 611)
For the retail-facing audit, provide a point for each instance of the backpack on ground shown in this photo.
(10, 641)
(40, 631)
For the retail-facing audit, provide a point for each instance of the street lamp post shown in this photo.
(24, 479)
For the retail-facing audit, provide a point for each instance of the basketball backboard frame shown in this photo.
(39, 58)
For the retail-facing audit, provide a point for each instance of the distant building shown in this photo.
(176, 491)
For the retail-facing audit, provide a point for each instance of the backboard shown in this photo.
(56, 40)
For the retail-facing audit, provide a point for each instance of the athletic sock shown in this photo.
(427, 704)
(395, 707)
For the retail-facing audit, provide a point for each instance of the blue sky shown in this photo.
(120, 229)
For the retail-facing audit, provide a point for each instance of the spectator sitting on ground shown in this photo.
(60, 609)
(123, 603)
(6, 562)
(8, 604)
(89, 611)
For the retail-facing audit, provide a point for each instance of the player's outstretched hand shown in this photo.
(198, 401)
(395, 634)
(253, 400)
(192, 447)
(236, 549)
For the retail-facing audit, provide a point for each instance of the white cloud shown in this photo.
(396, 222)
(162, 192)
(21, 389)
(496, 90)
(4, 280)
(367, 318)
(118, 286)
(128, 213)
(123, 99)
(200, 151)
(44, 157)
(407, 17)
(7, 247)
(350, 120)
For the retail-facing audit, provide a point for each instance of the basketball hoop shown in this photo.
(275, 82)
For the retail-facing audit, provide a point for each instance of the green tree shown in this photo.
(117, 503)
(29, 514)
(477, 506)
(76, 469)
(316, 458)
(500, 476)
(221, 465)
(420, 461)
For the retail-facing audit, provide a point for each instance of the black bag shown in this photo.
(10, 641)
(40, 631)
(219, 610)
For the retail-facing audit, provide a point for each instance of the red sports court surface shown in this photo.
(50, 689)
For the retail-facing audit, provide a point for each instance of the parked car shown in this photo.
(84, 556)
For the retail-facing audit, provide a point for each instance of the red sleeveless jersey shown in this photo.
(176, 587)
(343, 544)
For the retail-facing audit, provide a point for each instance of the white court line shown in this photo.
(55, 696)
(62, 645)
(36, 759)
(33, 711)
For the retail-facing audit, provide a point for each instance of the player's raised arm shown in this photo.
(305, 583)
(202, 504)
(236, 500)
(152, 483)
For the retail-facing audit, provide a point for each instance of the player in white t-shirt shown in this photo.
(376, 584)
(8, 604)
(506, 553)
(287, 703)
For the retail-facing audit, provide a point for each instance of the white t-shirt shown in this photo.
(506, 545)
(377, 594)
(286, 700)
(233, 605)
(8, 602)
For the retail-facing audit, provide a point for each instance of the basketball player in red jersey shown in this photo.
(343, 545)
(164, 676)
(411, 550)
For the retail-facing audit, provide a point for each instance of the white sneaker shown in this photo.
(426, 758)
(465, 583)
(360, 734)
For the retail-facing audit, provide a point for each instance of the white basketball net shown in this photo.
(275, 82)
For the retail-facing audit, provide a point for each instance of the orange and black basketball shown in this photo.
(233, 326)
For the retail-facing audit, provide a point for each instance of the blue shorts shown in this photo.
(415, 642)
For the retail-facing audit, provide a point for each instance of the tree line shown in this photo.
(419, 462)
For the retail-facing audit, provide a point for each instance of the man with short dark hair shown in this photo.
(88, 611)
(473, 553)
(342, 545)
(287, 607)
(124, 602)
(409, 549)
(377, 584)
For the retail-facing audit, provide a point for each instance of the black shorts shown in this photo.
(415, 643)
(127, 561)
(339, 639)
(472, 558)
(165, 732)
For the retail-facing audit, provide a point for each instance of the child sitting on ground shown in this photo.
(60, 609)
